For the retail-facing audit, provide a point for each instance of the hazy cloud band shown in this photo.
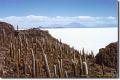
(35, 21)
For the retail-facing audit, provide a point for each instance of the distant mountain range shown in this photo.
(70, 25)
(76, 25)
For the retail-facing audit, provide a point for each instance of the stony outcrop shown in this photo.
(108, 55)
(7, 27)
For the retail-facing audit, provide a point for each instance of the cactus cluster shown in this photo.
(34, 53)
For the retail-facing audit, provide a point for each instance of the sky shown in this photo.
(46, 12)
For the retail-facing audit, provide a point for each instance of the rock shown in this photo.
(108, 55)
(7, 27)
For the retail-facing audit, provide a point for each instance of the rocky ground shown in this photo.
(34, 53)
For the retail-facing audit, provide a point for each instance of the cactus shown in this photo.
(84, 55)
(93, 58)
(26, 41)
(66, 74)
(46, 64)
(4, 35)
(59, 69)
(17, 27)
(85, 59)
(18, 63)
(33, 65)
(103, 72)
(20, 44)
(1, 71)
(11, 46)
(32, 42)
(61, 62)
(55, 71)
(13, 54)
(29, 69)
(92, 54)
(81, 65)
(10, 39)
(24, 44)
(74, 56)
(25, 68)
(74, 61)
(85, 68)
(74, 67)
(35, 49)
(19, 56)
(83, 52)
(37, 68)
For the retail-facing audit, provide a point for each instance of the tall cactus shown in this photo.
(33, 65)
(18, 63)
(55, 71)
(81, 65)
(4, 35)
(32, 42)
(93, 58)
(25, 68)
(26, 42)
(11, 46)
(85, 58)
(46, 64)
(66, 74)
(83, 52)
(61, 57)
(74, 64)
(37, 68)
(74, 67)
(59, 69)
(103, 72)
(17, 27)
(85, 68)
(92, 54)
(84, 55)
(13, 53)
(19, 56)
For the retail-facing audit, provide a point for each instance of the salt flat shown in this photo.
(87, 38)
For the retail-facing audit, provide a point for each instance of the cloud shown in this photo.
(33, 20)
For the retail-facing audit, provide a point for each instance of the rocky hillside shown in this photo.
(35, 53)
(108, 55)
(7, 27)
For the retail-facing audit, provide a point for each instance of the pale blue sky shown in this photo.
(54, 8)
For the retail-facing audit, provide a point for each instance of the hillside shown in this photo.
(108, 55)
(35, 53)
